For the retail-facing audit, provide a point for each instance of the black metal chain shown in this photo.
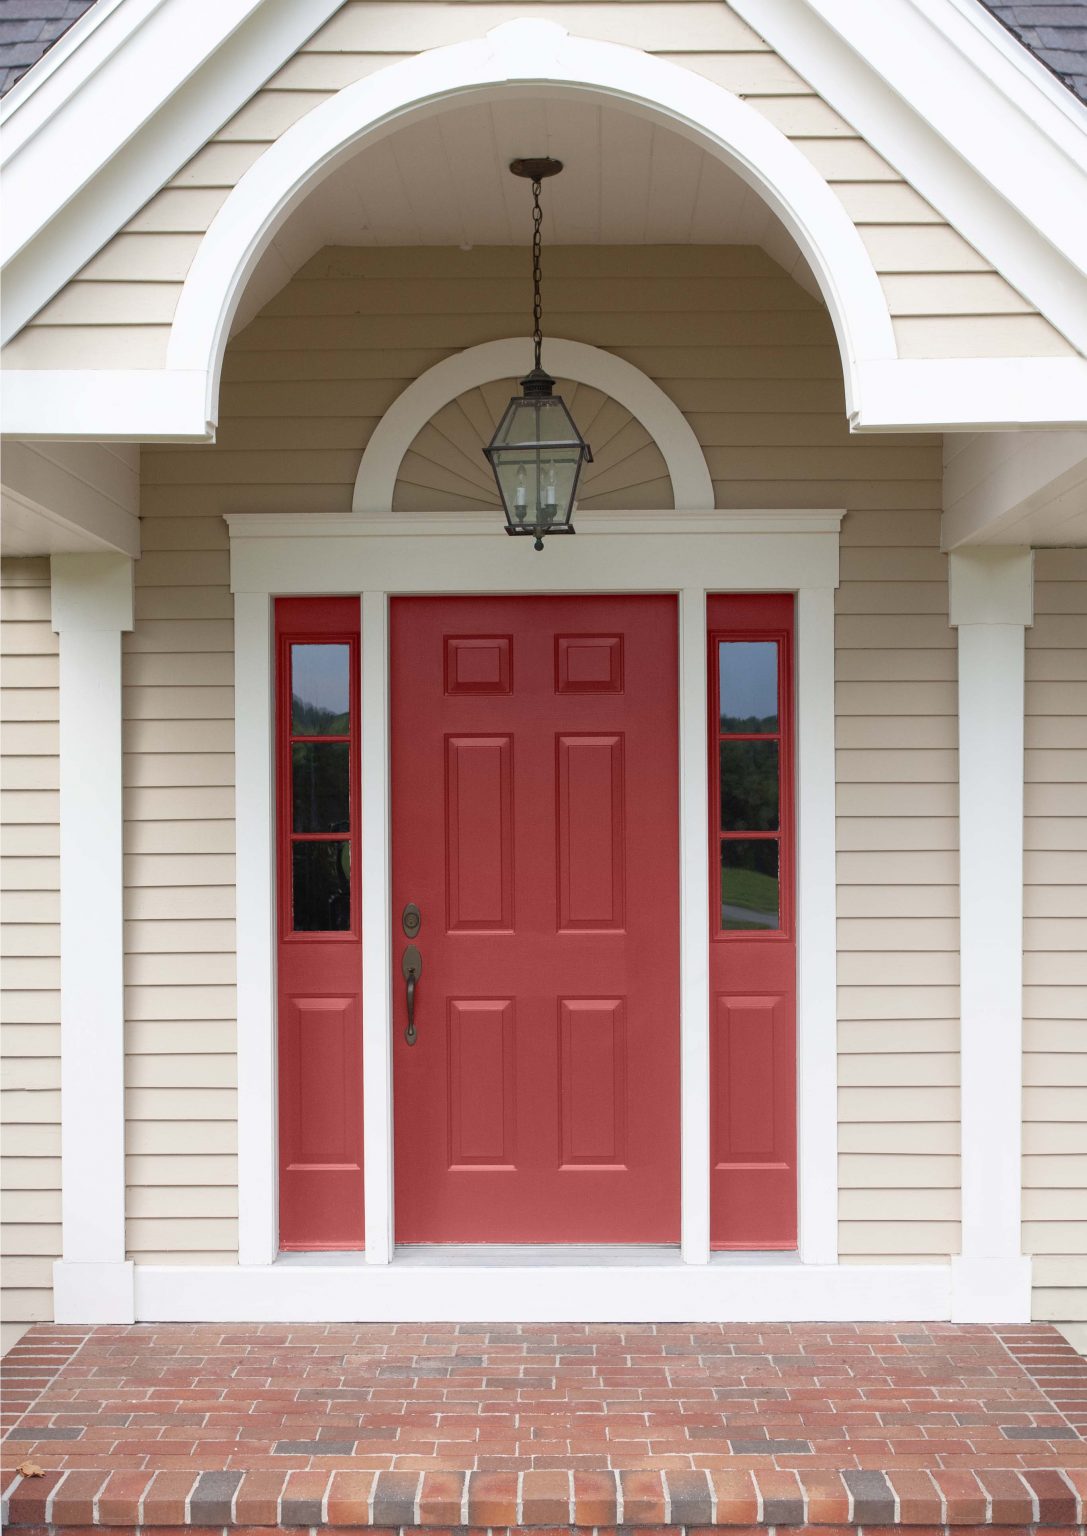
(537, 271)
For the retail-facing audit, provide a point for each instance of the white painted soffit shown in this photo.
(134, 90)
(959, 109)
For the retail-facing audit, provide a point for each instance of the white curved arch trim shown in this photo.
(531, 53)
(692, 488)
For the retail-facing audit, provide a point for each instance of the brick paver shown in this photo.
(612, 1427)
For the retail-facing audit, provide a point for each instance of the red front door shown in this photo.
(535, 827)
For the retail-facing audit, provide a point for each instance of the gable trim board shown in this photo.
(375, 483)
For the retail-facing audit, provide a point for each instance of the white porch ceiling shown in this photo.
(444, 181)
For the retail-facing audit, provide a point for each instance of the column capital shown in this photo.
(91, 592)
(992, 585)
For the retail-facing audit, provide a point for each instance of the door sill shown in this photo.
(535, 1256)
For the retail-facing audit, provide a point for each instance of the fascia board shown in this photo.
(978, 139)
(146, 106)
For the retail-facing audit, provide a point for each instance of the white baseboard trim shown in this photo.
(94, 1293)
(615, 1292)
(990, 1290)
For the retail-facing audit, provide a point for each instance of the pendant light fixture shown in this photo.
(537, 451)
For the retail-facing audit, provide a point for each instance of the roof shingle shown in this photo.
(28, 29)
(1055, 31)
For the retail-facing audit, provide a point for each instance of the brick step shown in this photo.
(571, 1530)
(689, 1500)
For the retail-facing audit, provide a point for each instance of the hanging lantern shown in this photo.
(537, 451)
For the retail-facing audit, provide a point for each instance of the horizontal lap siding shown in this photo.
(30, 994)
(304, 386)
(944, 297)
(1055, 938)
(179, 895)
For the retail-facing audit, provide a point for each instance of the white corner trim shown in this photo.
(991, 607)
(692, 487)
(92, 604)
(132, 94)
(378, 557)
(105, 404)
(94, 1293)
(975, 136)
(512, 56)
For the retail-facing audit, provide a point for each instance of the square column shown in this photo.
(991, 606)
(92, 605)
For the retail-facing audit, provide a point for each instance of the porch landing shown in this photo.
(605, 1426)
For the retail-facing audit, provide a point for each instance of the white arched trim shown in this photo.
(692, 488)
(530, 55)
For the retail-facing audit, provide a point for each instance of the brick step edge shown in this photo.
(569, 1530)
(445, 1500)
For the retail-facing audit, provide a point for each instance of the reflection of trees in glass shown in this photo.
(749, 786)
(313, 720)
(321, 793)
(749, 725)
(322, 887)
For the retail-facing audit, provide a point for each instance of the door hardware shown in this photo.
(412, 919)
(412, 967)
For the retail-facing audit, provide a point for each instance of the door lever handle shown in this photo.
(412, 967)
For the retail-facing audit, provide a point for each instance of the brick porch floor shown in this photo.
(666, 1426)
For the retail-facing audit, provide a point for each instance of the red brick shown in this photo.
(74, 1500)
(964, 1497)
(545, 1498)
(737, 1502)
(643, 1498)
(1010, 1500)
(919, 1499)
(164, 1502)
(594, 1498)
(1056, 1499)
(492, 1498)
(827, 1499)
(30, 1497)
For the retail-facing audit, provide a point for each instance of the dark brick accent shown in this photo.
(314, 1448)
(394, 1498)
(212, 1497)
(873, 1501)
(770, 1447)
(689, 1493)
(1032, 1432)
(27, 1433)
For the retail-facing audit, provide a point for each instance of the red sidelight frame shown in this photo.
(753, 1202)
(319, 980)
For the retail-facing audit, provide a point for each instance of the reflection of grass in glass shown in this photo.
(746, 888)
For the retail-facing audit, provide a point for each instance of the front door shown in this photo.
(535, 830)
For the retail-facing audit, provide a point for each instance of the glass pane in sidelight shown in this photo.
(321, 887)
(749, 686)
(749, 884)
(320, 690)
(749, 786)
(321, 786)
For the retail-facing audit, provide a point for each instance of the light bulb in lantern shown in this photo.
(520, 495)
(550, 498)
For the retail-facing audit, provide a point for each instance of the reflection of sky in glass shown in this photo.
(749, 679)
(320, 676)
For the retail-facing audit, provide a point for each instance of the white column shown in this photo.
(694, 930)
(376, 938)
(991, 605)
(817, 1012)
(92, 604)
(254, 715)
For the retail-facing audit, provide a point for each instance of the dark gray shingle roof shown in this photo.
(1055, 31)
(28, 29)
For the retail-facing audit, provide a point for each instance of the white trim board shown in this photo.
(375, 483)
(518, 1292)
(688, 555)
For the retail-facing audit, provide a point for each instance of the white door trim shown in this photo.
(380, 557)
(375, 483)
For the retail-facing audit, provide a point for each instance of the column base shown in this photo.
(990, 1290)
(94, 1293)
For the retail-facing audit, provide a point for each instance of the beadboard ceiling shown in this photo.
(444, 181)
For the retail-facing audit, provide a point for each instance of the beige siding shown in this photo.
(1055, 938)
(30, 995)
(303, 388)
(944, 297)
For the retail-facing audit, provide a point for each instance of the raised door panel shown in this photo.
(590, 832)
(479, 833)
(593, 1073)
(482, 1083)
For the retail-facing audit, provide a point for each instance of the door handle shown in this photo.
(412, 967)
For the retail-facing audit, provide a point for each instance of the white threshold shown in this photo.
(519, 1285)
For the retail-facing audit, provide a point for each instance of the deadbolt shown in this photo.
(412, 920)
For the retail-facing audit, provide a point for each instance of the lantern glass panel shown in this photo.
(537, 484)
